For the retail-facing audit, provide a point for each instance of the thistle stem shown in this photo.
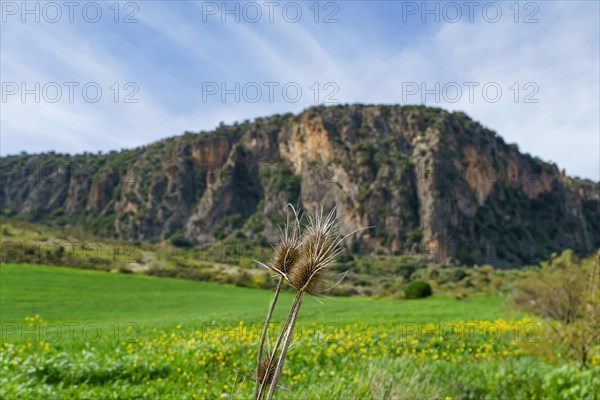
(280, 338)
(264, 333)
(294, 313)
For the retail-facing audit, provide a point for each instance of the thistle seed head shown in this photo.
(264, 369)
(285, 257)
(305, 276)
(319, 247)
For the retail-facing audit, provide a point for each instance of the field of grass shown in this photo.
(69, 333)
(66, 294)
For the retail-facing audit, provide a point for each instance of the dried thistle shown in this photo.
(319, 247)
(303, 259)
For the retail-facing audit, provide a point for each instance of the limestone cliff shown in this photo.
(431, 182)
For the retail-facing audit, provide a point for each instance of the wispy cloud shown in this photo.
(370, 54)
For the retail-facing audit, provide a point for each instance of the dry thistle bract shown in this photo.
(319, 247)
(264, 369)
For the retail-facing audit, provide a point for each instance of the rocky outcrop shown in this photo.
(430, 182)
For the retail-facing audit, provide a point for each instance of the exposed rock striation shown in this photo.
(430, 181)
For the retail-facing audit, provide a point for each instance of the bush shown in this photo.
(178, 240)
(565, 292)
(417, 290)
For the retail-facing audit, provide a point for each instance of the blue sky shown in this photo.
(542, 56)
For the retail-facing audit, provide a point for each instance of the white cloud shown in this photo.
(80, 125)
(559, 54)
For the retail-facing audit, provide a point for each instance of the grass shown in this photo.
(355, 351)
(67, 294)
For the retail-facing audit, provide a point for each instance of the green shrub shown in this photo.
(417, 290)
(178, 240)
(564, 291)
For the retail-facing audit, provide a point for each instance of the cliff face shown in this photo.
(431, 182)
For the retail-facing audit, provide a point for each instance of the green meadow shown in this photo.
(70, 333)
(67, 294)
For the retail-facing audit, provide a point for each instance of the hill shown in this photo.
(429, 181)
